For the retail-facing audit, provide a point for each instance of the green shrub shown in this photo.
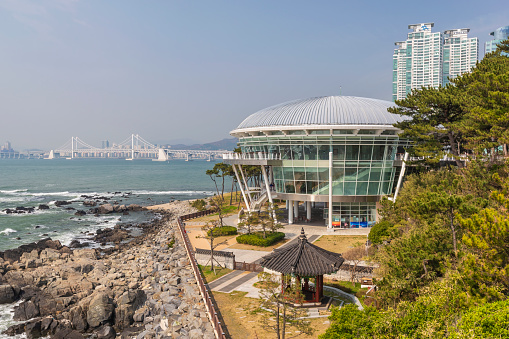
(256, 239)
(199, 204)
(221, 231)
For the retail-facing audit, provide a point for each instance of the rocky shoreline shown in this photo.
(144, 288)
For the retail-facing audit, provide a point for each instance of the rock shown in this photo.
(59, 203)
(7, 294)
(106, 332)
(78, 319)
(100, 310)
(80, 213)
(104, 209)
(33, 329)
(43, 207)
(15, 329)
(25, 311)
(67, 333)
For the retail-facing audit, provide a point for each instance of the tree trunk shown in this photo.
(453, 229)
(454, 150)
(212, 250)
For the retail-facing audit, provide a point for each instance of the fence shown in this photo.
(243, 266)
(196, 214)
(211, 309)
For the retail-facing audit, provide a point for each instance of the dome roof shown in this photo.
(331, 110)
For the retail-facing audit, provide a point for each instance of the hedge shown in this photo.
(256, 238)
(224, 230)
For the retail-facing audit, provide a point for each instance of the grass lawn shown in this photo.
(209, 275)
(339, 243)
(243, 322)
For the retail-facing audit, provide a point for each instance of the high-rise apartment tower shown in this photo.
(460, 53)
(427, 58)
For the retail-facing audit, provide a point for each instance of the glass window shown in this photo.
(362, 188)
(367, 131)
(373, 188)
(311, 173)
(289, 186)
(352, 152)
(338, 152)
(286, 153)
(323, 152)
(288, 173)
(323, 174)
(297, 152)
(319, 131)
(337, 188)
(299, 173)
(278, 173)
(296, 132)
(310, 152)
(365, 152)
(349, 188)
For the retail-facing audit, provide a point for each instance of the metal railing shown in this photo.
(211, 308)
(251, 156)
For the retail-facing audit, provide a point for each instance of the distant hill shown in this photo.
(225, 144)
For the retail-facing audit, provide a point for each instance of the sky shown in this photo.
(191, 71)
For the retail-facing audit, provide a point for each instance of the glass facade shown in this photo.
(362, 164)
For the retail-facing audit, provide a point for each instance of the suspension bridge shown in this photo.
(132, 148)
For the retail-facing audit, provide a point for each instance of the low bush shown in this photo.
(224, 230)
(257, 239)
(199, 204)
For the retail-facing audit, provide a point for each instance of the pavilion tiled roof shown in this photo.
(303, 259)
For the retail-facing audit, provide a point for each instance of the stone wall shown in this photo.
(225, 259)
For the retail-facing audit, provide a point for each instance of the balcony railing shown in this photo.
(252, 156)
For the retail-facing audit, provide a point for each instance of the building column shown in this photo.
(290, 211)
(296, 209)
(329, 226)
(308, 210)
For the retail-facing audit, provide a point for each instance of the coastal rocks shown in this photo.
(43, 207)
(116, 208)
(89, 203)
(15, 254)
(59, 203)
(7, 294)
(80, 213)
(140, 289)
(19, 210)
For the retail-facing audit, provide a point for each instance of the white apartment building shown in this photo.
(419, 61)
(460, 53)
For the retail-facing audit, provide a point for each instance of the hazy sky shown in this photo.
(171, 70)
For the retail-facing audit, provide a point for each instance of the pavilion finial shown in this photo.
(302, 236)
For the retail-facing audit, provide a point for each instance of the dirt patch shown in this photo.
(243, 321)
(340, 243)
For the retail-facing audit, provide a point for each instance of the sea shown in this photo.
(33, 182)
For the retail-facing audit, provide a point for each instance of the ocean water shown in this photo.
(29, 183)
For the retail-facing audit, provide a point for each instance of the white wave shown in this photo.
(171, 192)
(12, 191)
(13, 199)
(7, 231)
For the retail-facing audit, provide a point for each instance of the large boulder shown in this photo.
(127, 304)
(105, 209)
(7, 294)
(25, 311)
(100, 309)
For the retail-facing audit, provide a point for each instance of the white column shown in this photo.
(287, 204)
(245, 183)
(329, 226)
(296, 208)
(241, 188)
(308, 210)
(267, 187)
(290, 211)
(401, 175)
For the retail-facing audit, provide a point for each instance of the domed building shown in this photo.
(338, 151)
